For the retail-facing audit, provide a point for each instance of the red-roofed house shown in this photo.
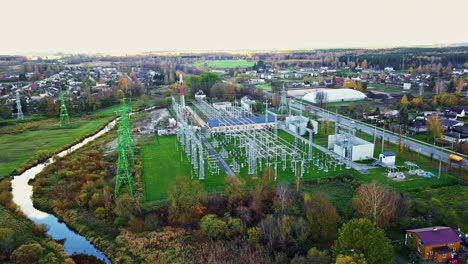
(34, 86)
(439, 243)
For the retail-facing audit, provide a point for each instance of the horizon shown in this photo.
(118, 28)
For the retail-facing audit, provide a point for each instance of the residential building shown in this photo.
(437, 243)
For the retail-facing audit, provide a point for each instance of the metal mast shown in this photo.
(283, 107)
(19, 112)
(125, 149)
(64, 118)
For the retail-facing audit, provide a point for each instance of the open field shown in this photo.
(17, 149)
(397, 89)
(264, 86)
(163, 163)
(224, 64)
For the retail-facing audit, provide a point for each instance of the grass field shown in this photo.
(264, 86)
(163, 163)
(397, 89)
(17, 149)
(224, 64)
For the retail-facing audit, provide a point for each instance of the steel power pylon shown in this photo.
(64, 118)
(125, 149)
(19, 112)
(283, 107)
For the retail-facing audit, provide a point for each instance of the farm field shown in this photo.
(224, 64)
(17, 148)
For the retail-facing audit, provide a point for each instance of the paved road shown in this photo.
(221, 163)
(362, 168)
(422, 148)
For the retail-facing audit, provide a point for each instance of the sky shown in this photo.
(120, 27)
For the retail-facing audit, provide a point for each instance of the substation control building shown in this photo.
(298, 124)
(351, 147)
(241, 124)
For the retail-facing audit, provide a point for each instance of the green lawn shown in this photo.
(224, 64)
(163, 163)
(264, 86)
(397, 89)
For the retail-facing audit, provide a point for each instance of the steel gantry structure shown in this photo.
(258, 144)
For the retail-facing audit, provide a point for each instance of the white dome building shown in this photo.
(334, 95)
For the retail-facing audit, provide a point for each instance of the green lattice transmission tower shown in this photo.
(283, 107)
(64, 118)
(125, 149)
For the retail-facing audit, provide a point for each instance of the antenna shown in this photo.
(19, 112)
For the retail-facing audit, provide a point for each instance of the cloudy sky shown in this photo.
(126, 27)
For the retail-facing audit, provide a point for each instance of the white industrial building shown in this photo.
(351, 147)
(298, 124)
(247, 102)
(222, 105)
(334, 95)
(387, 158)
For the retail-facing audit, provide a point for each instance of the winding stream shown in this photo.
(22, 196)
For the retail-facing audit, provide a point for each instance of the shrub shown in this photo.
(28, 253)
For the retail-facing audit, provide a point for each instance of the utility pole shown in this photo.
(19, 110)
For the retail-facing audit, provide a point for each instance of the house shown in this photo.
(459, 111)
(449, 124)
(417, 126)
(437, 243)
(455, 137)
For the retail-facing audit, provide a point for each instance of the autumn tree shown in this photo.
(376, 203)
(434, 126)
(364, 64)
(322, 216)
(284, 196)
(460, 85)
(185, 200)
(351, 259)
(362, 237)
(235, 190)
(404, 100)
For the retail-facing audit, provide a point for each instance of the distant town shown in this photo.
(312, 156)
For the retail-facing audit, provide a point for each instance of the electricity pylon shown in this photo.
(283, 107)
(64, 118)
(125, 149)
(19, 110)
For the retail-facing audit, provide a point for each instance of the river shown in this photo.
(22, 196)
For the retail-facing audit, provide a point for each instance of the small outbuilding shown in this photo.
(387, 158)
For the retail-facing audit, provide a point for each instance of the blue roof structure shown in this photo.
(389, 154)
(240, 121)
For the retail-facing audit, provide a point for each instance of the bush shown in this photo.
(28, 253)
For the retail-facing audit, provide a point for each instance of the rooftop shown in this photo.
(437, 235)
